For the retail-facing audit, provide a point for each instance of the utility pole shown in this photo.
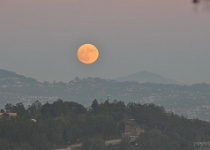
(107, 97)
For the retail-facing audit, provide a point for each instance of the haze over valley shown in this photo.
(191, 101)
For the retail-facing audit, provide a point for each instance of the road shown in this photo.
(109, 142)
(113, 142)
(71, 147)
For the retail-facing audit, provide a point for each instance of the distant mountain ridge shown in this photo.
(9, 74)
(145, 76)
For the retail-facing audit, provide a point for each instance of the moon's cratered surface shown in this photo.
(87, 53)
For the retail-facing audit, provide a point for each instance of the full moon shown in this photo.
(87, 53)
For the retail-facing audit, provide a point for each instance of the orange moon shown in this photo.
(87, 54)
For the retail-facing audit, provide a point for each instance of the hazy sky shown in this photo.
(40, 38)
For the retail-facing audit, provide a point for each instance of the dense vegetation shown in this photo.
(62, 123)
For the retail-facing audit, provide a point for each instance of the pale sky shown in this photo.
(40, 38)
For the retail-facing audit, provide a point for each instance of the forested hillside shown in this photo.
(60, 124)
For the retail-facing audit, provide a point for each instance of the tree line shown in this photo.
(63, 123)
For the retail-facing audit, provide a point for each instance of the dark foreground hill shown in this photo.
(61, 124)
(191, 101)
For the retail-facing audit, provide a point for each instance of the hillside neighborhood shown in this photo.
(190, 101)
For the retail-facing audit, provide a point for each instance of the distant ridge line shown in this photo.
(145, 76)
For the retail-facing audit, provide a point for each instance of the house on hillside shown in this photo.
(201, 145)
(132, 130)
(9, 114)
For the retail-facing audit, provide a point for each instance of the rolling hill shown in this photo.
(145, 76)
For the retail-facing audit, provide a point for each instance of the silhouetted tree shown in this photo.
(95, 106)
